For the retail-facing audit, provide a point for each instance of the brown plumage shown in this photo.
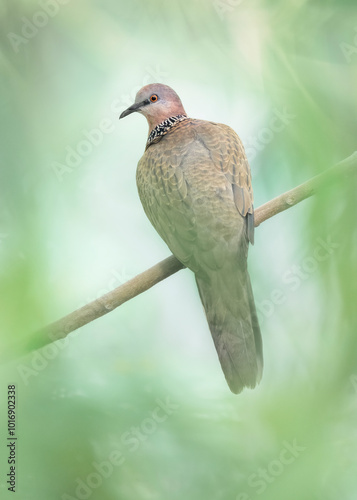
(194, 183)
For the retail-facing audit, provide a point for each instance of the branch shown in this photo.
(142, 282)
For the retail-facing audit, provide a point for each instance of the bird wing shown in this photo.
(228, 156)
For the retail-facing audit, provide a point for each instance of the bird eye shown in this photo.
(153, 98)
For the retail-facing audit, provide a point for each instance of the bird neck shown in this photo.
(164, 127)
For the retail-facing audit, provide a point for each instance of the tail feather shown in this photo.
(256, 331)
(231, 314)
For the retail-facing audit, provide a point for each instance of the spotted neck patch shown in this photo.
(163, 128)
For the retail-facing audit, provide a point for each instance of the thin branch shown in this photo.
(142, 282)
(287, 200)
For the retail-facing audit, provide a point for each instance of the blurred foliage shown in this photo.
(283, 75)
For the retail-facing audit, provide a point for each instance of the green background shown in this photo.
(72, 228)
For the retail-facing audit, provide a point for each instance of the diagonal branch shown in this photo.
(142, 282)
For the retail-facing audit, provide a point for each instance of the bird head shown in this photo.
(156, 102)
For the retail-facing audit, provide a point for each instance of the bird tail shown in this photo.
(227, 298)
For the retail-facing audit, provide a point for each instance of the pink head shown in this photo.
(156, 102)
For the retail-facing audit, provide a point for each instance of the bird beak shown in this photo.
(133, 108)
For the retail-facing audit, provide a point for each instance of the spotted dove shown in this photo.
(194, 183)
